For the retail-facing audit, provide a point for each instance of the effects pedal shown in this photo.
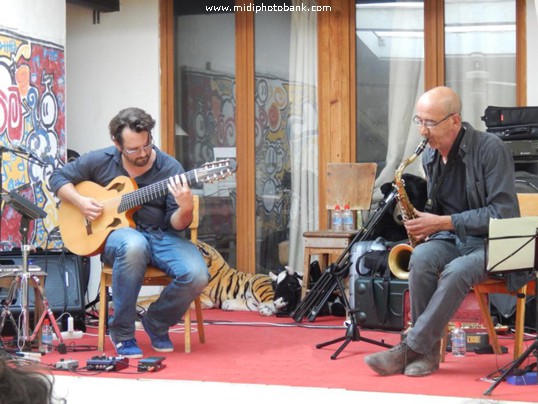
(151, 364)
(107, 363)
(67, 364)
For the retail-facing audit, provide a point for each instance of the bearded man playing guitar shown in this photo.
(154, 237)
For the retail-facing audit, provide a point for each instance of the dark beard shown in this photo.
(141, 161)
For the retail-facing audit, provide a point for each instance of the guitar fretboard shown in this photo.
(208, 173)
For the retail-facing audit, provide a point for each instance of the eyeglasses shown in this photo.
(139, 149)
(430, 124)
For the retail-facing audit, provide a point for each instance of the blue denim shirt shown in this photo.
(104, 165)
(489, 182)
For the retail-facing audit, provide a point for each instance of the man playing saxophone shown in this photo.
(470, 176)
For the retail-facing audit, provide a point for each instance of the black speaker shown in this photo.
(66, 284)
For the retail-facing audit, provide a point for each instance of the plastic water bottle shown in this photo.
(347, 219)
(336, 224)
(46, 337)
(459, 341)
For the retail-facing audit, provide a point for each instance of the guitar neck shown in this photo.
(150, 192)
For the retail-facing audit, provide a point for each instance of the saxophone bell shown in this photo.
(398, 260)
(399, 255)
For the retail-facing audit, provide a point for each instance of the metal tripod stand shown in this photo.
(23, 279)
(352, 331)
(331, 279)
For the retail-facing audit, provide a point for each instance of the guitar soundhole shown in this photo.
(118, 187)
(115, 223)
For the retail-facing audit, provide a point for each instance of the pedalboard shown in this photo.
(151, 364)
(107, 363)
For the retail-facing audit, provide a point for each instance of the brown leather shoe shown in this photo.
(392, 361)
(425, 364)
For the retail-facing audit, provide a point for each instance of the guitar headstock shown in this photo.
(216, 170)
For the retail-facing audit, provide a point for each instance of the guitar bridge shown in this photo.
(88, 227)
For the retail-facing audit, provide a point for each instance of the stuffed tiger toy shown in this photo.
(233, 290)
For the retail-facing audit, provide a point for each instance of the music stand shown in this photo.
(513, 246)
(28, 211)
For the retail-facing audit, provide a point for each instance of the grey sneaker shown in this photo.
(425, 364)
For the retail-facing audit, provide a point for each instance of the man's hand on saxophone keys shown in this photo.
(426, 224)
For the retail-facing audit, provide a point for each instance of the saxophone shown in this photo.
(400, 254)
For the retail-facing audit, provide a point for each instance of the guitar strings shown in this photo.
(142, 195)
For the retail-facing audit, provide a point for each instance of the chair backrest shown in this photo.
(528, 204)
(351, 183)
(195, 218)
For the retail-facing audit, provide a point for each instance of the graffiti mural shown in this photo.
(209, 116)
(32, 136)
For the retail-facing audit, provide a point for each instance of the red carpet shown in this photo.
(244, 347)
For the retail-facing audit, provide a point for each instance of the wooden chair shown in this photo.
(153, 277)
(528, 205)
(351, 183)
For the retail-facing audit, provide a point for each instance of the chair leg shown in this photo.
(520, 321)
(103, 313)
(187, 321)
(199, 320)
(444, 343)
(306, 273)
(187, 324)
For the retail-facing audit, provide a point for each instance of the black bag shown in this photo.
(517, 132)
(512, 122)
(383, 302)
(370, 257)
(496, 117)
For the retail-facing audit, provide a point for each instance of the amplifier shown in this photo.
(525, 149)
(66, 284)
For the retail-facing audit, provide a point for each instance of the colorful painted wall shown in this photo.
(32, 117)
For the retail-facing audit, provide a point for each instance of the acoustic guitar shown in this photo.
(121, 199)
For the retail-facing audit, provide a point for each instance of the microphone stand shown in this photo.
(320, 293)
(317, 297)
(21, 281)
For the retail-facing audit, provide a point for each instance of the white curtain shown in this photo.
(480, 64)
(405, 86)
(303, 130)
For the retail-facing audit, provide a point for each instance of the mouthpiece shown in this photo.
(421, 146)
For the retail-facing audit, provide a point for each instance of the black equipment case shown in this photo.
(512, 123)
(382, 302)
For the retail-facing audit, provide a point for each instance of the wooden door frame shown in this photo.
(336, 96)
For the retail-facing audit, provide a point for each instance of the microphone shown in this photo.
(19, 147)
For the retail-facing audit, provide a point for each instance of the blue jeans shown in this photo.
(441, 274)
(129, 251)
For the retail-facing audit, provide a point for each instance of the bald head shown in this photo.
(441, 107)
(443, 99)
